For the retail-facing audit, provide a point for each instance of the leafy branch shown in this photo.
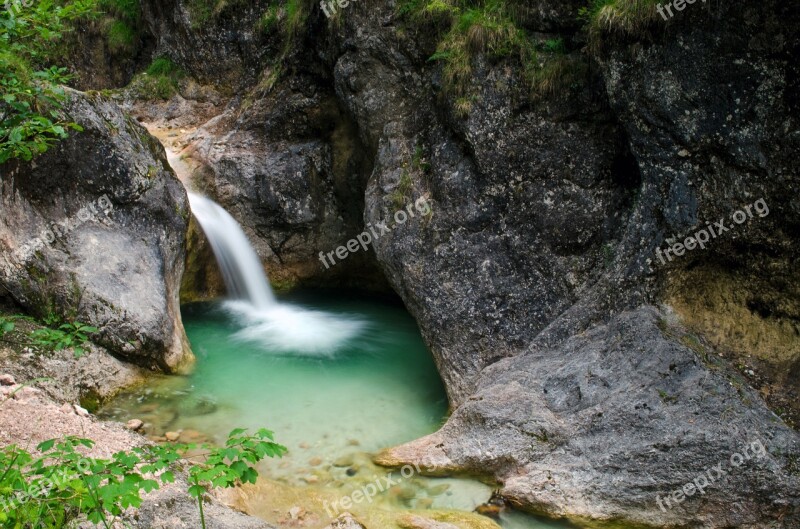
(60, 484)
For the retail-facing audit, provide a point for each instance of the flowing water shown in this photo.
(378, 389)
(336, 377)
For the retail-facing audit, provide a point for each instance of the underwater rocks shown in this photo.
(345, 521)
(93, 231)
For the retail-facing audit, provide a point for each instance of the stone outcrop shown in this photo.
(345, 521)
(610, 423)
(536, 277)
(93, 231)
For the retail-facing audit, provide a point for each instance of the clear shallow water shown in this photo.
(379, 389)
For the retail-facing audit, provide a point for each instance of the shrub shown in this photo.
(31, 120)
(57, 484)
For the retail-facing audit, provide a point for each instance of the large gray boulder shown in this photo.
(610, 424)
(93, 231)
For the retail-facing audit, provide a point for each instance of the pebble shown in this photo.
(403, 493)
(7, 380)
(343, 461)
(351, 472)
(489, 509)
(353, 442)
(134, 425)
(315, 461)
(438, 489)
(311, 479)
(304, 446)
(424, 503)
(193, 437)
(296, 513)
(172, 436)
(81, 412)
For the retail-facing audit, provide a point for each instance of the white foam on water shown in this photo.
(291, 330)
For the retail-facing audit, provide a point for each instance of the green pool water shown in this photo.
(333, 410)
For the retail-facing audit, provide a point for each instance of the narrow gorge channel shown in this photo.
(401, 264)
(336, 375)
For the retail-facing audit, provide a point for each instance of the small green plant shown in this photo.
(6, 326)
(74, 335)
(542, 436)
(621, 17)
(159, 81)
(226, 466)
(121, 37)
(58, 484)
(268, 20)
(491, 28)
(666, 398)
(403, 189)
(554, 46)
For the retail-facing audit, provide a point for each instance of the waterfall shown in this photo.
(241, 268)
(277, 328)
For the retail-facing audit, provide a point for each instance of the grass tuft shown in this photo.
(490, 28)
(633, 18)
(159, 81)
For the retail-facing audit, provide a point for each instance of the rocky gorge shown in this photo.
(587, 379)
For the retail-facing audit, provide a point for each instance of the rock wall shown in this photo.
(93, 231)
(536, 273)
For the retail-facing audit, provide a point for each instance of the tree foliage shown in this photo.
(31, 115)
(56, 483)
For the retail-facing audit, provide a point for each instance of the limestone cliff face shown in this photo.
(93, 231)
(535, 276)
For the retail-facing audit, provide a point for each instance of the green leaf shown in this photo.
(46, 445)
(196, 491)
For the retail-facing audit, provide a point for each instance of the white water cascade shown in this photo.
(276, 327)
(240, 266)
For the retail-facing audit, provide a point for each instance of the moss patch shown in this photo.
(753, 322)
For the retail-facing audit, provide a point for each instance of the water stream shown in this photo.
(337, 377)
